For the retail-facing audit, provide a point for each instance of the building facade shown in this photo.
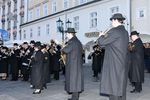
(91, 16)
(14, 13)
(88, 18)
(140, 16)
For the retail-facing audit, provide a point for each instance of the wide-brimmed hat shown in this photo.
(134, 33)
(15, 44)
(37, 44)
(117, 16)
(70, 30)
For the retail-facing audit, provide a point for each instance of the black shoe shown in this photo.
(134, 91)
(69, 99)
(45, 87)
(37, 92)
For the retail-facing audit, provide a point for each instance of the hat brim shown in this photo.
(70, 32)
(117, 18)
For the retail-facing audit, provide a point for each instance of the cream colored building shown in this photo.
(87, 17)
(41, 8)
(141, 16)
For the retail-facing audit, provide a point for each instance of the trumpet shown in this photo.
(104, 34)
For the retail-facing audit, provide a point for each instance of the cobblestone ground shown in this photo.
(20, 90)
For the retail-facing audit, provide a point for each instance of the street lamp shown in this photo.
(60, 27)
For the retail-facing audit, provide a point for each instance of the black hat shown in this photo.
(134, 33)
(117, 16)
(5, 48)
(95, 46)
(15, 44)
(70, 30)
(37, 44)
(43, 46)
(32, 41)
(25, 42)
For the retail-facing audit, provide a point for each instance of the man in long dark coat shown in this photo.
(114, 72)
(137, 62)
(74, 70)
(14, 57)
(45, 68)
(36, 73)
(96, 61)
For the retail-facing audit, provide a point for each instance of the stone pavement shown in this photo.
(20, 90)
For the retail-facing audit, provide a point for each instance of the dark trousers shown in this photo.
(56, 75)
(25, 72)
(112, 97)
(75, 96)
(14, 76)
(95, 73)
(138, 86)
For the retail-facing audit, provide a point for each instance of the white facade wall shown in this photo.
(103, 15)
(141, 24)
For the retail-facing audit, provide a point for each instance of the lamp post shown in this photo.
(60, 27)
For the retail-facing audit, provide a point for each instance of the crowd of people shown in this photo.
(34, 62)
(117, 56)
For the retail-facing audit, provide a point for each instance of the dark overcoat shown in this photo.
(74, 69)
(114, 72)
(137, 61)
(36, 73)
(96, 61)
(3, 63)
(45, 68)
(14, 58)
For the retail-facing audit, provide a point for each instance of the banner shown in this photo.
(4, 35)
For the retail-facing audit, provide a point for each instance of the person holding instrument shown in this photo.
(115, 70)
(74, 70)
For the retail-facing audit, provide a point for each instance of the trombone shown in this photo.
(105, 32)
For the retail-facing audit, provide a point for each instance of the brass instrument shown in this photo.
(63, 56)
(105, 32)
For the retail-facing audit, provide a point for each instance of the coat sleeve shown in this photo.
(67, 49)
(108, 38)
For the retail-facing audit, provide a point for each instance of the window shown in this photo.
(47, 29)
(37, 13)
(39, 31)
(54, 7)
(76, 23)
(31, 33)
(140, 13)
(93, 22)
(114, 10)
(45, 10)
(31, 15)
(65, 4)
(82, 1)
(24, 34)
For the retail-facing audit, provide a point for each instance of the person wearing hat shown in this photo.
(4, 63)
(36, 72)
(74, 82)
(96, 61)
(45, 68)
(137, 62)
(14, 59)
(115, 71)
(25, 59)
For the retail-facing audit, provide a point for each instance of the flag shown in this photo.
(4, 35)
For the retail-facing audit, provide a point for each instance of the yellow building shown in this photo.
(42, 8)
